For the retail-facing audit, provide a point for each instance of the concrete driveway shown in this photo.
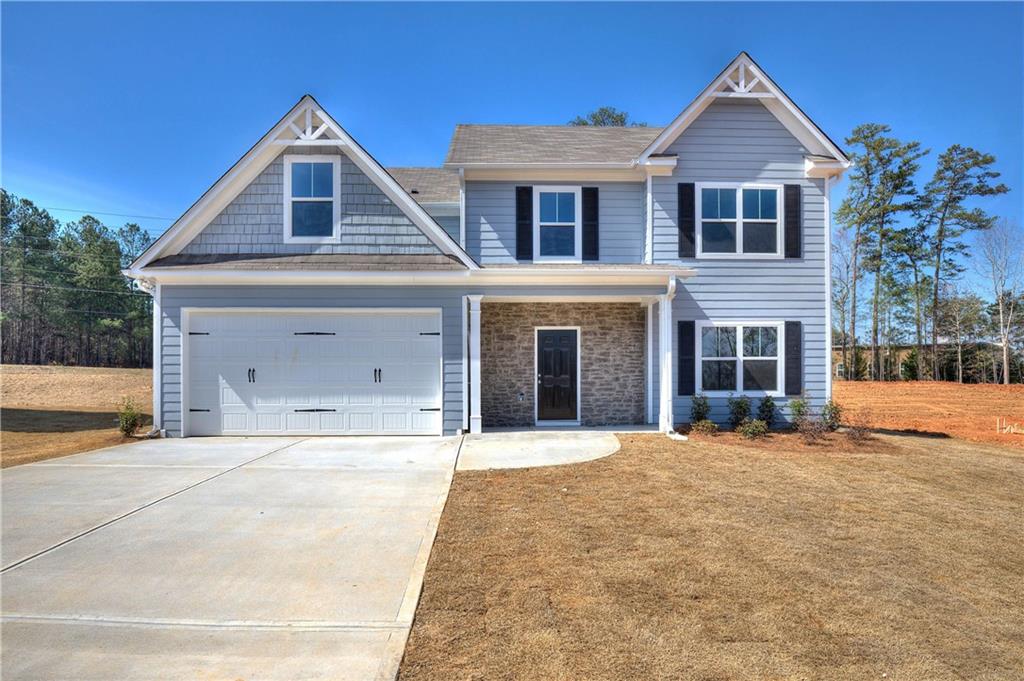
(226, 558)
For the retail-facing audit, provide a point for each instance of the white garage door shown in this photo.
(318, 373)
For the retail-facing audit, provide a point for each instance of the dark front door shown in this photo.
(556, 375)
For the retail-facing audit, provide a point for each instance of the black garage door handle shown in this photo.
(307, 410)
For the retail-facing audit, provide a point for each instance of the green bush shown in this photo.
(766, 411)
(129, 418)
(704, 427)
(752, 428)
(800, 408)
(739, 409)
(831, 415)
(700, 408)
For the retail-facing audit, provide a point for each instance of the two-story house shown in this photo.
(545, 275)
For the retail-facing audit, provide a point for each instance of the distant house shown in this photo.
(545, 275)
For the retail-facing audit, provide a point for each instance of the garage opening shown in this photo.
(312, 372)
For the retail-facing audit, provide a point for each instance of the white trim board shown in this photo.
(579, 377)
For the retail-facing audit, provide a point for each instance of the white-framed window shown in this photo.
(740, 358)
(557, 231)
(739, 220)
(312, 199)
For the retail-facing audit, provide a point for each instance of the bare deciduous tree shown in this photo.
(1001, 262)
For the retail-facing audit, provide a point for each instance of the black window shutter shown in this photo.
(591, 250)
(687, 360)
(794, 358)
(524, 223)
(687, 220)
(792, 227)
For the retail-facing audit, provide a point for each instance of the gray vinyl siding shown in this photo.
(254, 221)
(447, 298)
(741, 141)
(491, 220)
(450, 224)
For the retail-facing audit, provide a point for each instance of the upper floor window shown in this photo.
(556, 224)
(312, 190)
(739, 219)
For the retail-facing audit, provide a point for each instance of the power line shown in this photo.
(100, 212)
(74, 288)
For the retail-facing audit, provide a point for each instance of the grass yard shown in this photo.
(711, 559)
(48, 411)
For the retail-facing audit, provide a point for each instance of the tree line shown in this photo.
(957, 301)
(63, 299)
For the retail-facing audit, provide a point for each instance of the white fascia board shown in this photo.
(819, 168)
(781, 106)
(514, 276)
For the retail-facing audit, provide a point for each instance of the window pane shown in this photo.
(323, 180)
(768, 207)
(760, 374)
(548, 207)
(718, 375)
(727, 204)
(302, 180)
(718, 341)
(558, 241)
(759, 204)
(709, 204)
(718, 237)
(759, 237)
(312, 218)
(566, 207)
(760, 341)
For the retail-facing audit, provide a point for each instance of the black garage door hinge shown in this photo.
(199, 410)
(430, 409)
(307, 410)
(199, 333)
(430, 333)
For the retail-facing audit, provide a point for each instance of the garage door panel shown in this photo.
(334, 373)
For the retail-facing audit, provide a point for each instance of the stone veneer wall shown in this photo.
(613, 352)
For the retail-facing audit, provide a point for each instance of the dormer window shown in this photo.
(557, 236)
(312, 199)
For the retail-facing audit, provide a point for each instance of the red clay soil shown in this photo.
(963, 411)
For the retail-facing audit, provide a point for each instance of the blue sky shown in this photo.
(137, 108)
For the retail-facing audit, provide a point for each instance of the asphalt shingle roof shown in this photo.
(428, 185)
(547, 144)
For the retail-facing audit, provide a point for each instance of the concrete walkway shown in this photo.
(219, 558)
(539, 447)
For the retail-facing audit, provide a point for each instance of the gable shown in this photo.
(744, 80)
(376, 208)
(253, 222)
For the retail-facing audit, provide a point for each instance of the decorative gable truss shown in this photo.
(305, 125)
(744, 79)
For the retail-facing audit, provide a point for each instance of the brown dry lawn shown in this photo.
(49, 411)
(710, 559)
(965, 411)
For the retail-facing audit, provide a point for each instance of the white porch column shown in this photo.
(475, 418)
(665, 419)
(649, 364)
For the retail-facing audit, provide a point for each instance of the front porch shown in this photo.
(556, 362)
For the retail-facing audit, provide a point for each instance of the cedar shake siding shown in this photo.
(254, 222)
(612, 360)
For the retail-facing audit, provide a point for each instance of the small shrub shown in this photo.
(766, 411)
(812, 430)
(700, 408)
(752, 428)
(831, 414)
(704, 427)
(857, 430)
(129, 418)
(739, 409)
(800, 408)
